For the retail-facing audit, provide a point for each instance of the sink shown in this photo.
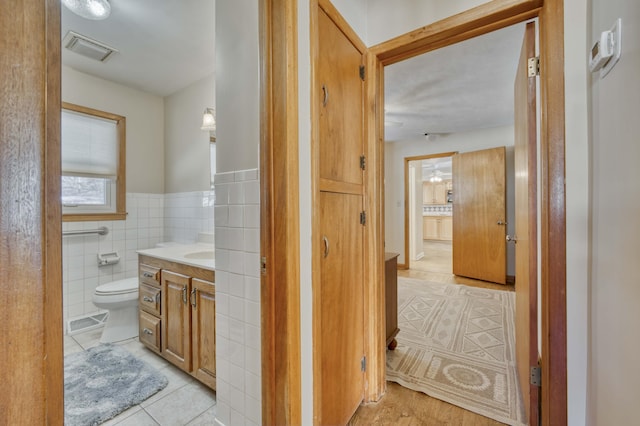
(207, 254)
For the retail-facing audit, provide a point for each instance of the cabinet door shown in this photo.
(203, 333)
(431, 228)
(440, 193)
(176, 324)
(425, 232)
(446, 228)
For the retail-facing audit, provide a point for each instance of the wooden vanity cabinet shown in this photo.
(180, 327)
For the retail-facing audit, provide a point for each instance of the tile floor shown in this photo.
(184, 401)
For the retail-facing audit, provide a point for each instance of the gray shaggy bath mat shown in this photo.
(103, 381)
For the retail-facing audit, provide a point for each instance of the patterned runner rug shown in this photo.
(457, 344)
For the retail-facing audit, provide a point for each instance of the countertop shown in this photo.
(200, 255)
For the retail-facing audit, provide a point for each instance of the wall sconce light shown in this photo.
(209, 120)
(89, 9)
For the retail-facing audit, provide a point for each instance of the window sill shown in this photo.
(88, 217)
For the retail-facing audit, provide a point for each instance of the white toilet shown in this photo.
(120, 298)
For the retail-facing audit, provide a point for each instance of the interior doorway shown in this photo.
(428, 212)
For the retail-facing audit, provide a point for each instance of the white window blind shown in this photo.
(89, 145)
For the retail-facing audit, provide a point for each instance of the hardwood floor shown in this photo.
(405, 407)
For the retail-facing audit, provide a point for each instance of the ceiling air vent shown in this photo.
(88, 47)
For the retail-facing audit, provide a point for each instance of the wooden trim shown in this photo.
(92, 217)
(374, 294)
(279, 213)
(407, 160)
(553, 209)
(315, 201)
(30, 231)
(52, 232)
(121, 181)
(480, 20)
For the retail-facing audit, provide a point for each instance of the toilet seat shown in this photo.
(126, 286)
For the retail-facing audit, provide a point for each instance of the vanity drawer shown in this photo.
(150, 331)
(149, 274)
(149, 298)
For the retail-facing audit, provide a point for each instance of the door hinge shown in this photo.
(263, 265)
(362, 72)
(363, 162)
(363, 364)
(536, 376)
(533, 66)
(363, 218)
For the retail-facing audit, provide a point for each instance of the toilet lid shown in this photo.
(128, 285)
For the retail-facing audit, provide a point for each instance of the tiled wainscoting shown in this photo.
(186, 214)
(151, 218)
(238, 359)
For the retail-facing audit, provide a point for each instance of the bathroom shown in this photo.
(169, 197)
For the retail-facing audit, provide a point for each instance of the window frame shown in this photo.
(120, 212)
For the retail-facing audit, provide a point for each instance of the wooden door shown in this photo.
(203, 324)
(526, 227)
(338, 233)
(341, 114)
(176, 324)
(479, 191)
(341, 339)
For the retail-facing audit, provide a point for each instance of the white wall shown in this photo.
(186, 146)
(615, 189)
(395, 153)
(577, 205)
(145, 124)
(237, 215)
(237, 85)
(417, 244)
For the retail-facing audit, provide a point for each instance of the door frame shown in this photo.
(407, 160)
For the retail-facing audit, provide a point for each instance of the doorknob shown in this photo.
(326, 245)
(502, 222)
(513, 239)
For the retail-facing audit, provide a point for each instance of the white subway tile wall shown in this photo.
(188, 213)
(237, 223)
(151, 218)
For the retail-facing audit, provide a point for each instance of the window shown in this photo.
(93, 164)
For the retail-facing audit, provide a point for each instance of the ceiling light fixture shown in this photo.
(209, 120)
(89, 9)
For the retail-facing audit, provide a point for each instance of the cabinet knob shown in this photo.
(148, 274)
(147, 331)
(148, 299)
(501, 222)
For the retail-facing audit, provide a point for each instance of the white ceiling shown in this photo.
(462, 87)
(163, 45)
